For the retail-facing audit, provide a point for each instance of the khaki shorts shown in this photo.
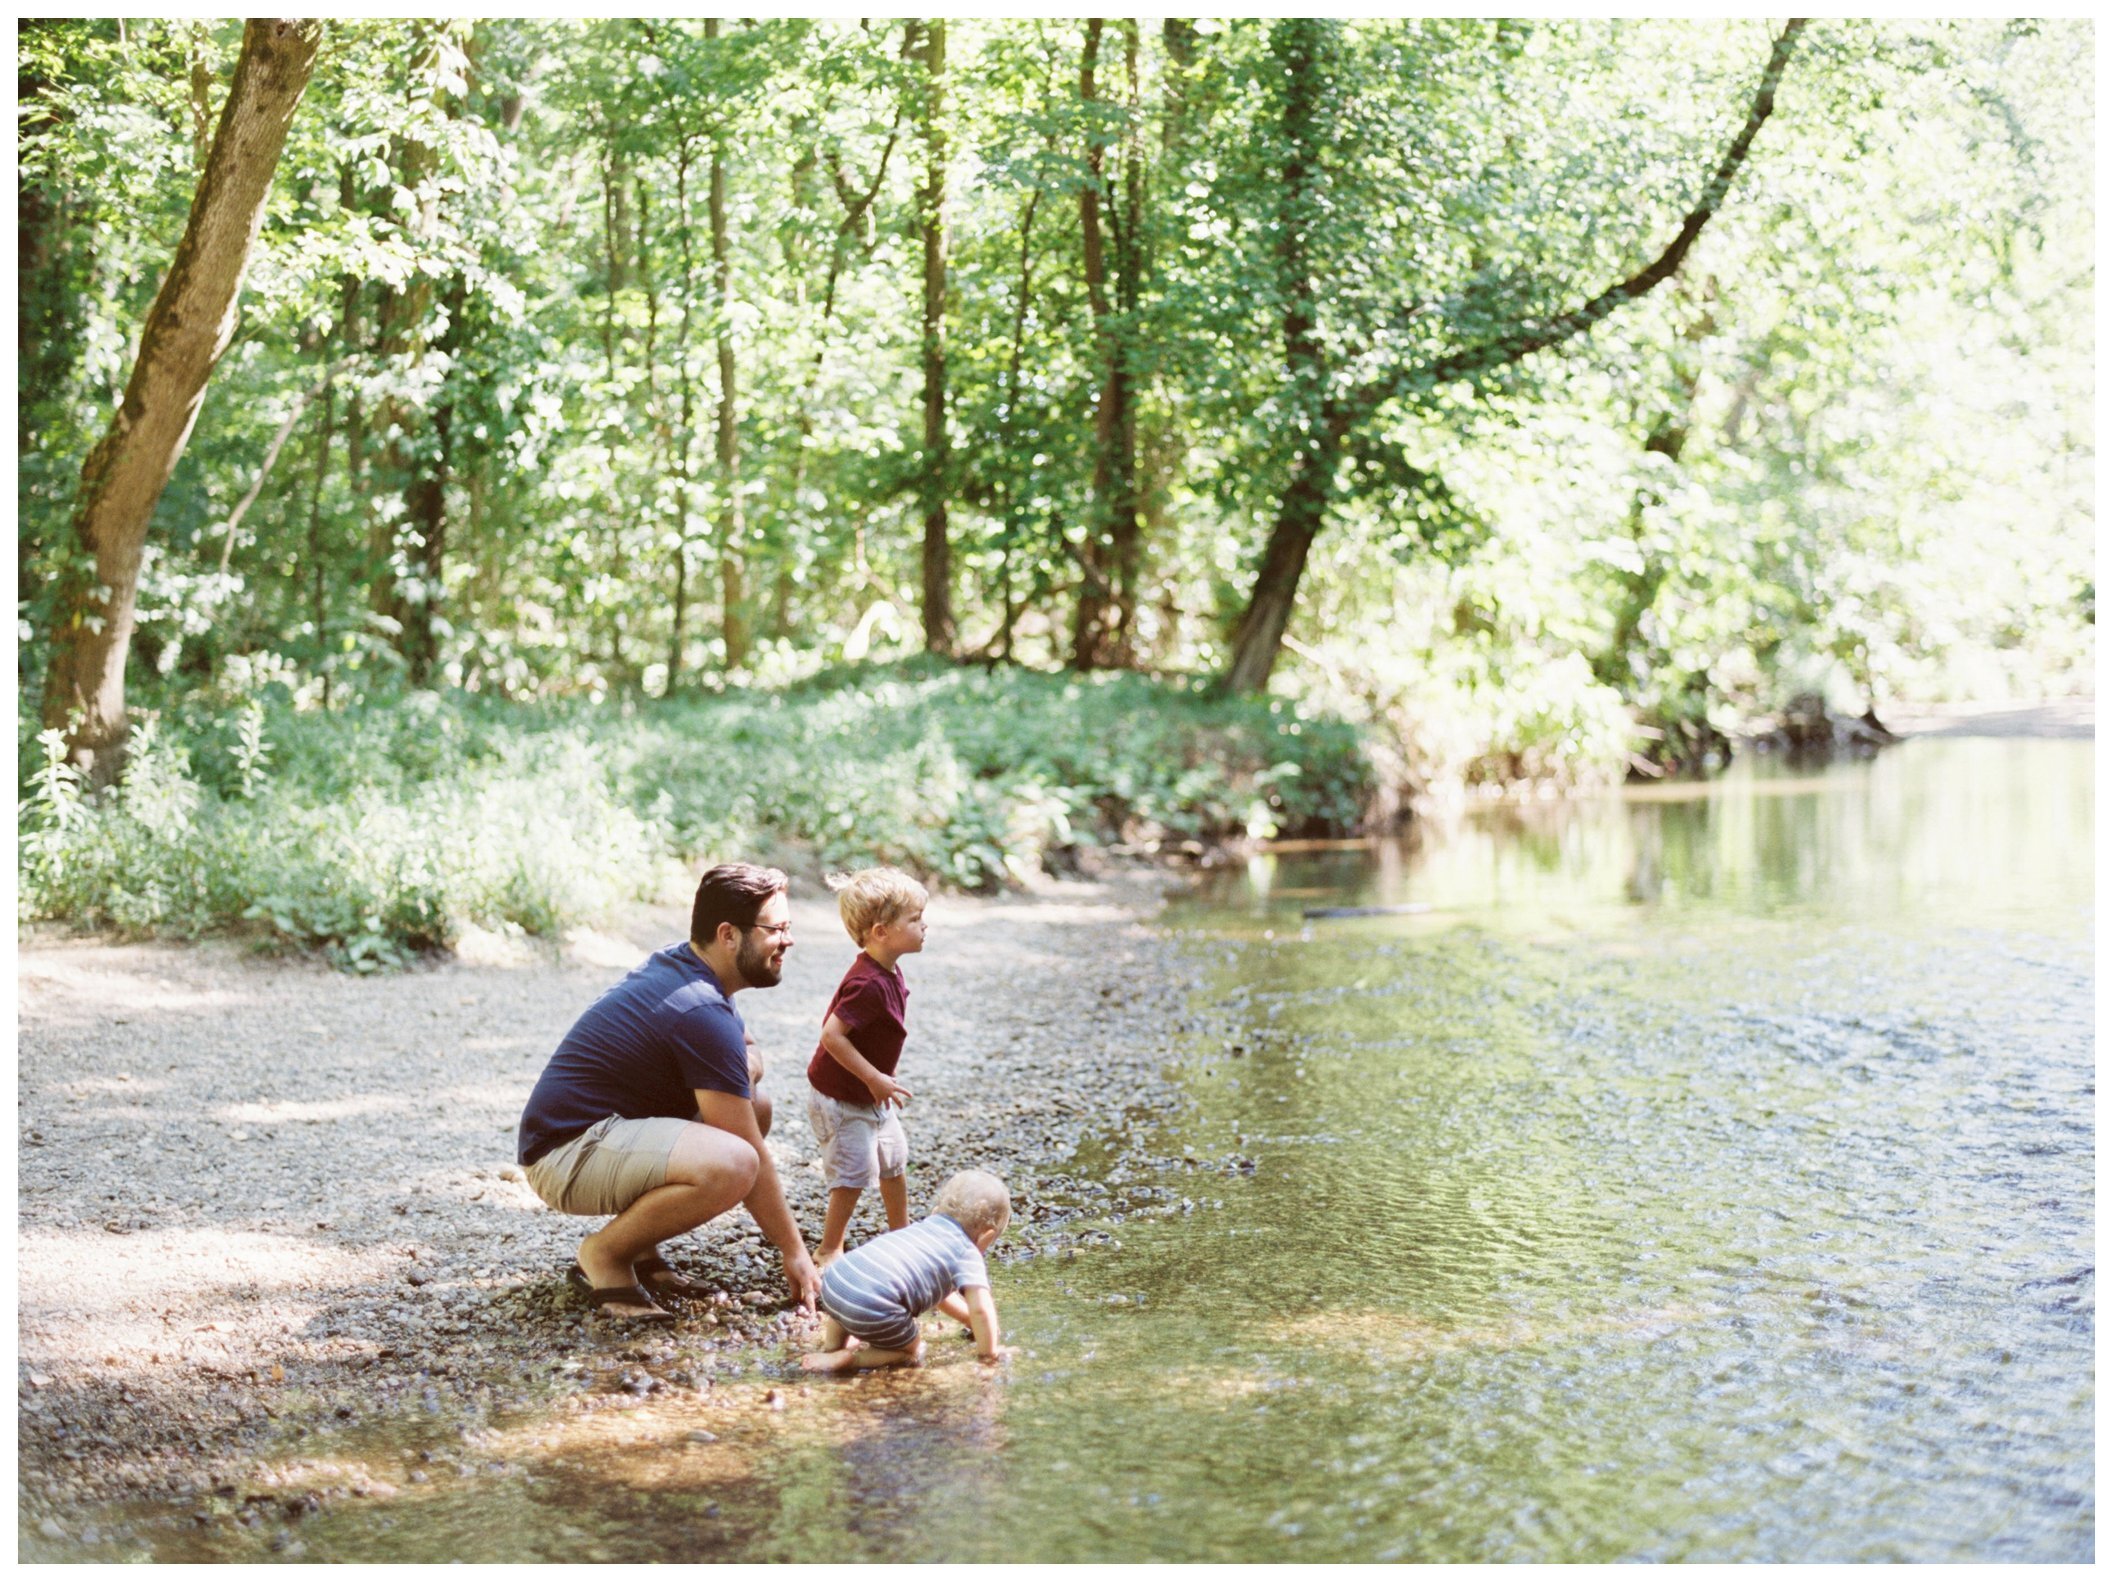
(861, 1143)
(609, 1166)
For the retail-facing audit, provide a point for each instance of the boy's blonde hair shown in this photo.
(975, 1200)
(874, 895)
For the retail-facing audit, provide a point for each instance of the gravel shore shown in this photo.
(269, 1210)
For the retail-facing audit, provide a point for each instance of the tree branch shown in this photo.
(271, 454)
(1526, 339)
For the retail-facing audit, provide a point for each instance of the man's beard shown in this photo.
(753, 963)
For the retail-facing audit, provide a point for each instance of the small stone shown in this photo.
(50, 1528)
(700, 1436)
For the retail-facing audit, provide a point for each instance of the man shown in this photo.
(648, 1110)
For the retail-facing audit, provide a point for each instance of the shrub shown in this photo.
(382, 830)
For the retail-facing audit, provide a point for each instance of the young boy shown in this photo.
(871, 1297)
(853, 1094)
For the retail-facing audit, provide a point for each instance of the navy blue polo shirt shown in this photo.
(641, 1050)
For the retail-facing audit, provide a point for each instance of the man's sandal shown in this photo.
(600, 1298)
(652, 1265)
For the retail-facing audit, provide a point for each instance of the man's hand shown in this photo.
(801, 1278)
(886, 1090)
(755, 1058)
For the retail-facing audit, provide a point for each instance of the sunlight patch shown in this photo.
(309, 1112)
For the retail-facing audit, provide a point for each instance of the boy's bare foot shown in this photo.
(856, 1357)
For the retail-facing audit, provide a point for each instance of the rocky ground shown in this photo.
(269, 1213)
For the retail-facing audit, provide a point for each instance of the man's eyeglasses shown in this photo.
(775, 930)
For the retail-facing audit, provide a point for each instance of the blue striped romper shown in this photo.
(877, 1290)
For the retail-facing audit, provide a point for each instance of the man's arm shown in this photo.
(766, 1199)
(836, 1039)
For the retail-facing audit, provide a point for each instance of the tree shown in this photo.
(189, 326)
(1326, 412)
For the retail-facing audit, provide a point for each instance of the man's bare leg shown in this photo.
(836, 1220)
(895, 1199)
(666, 1283)
(709, 1172)
(856, 1357)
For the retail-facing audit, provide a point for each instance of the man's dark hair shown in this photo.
(733, 892)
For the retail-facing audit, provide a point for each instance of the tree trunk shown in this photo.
(1112, 551)
(1300, 515)
(349, 333)
(733, 623)
(685, 424)
(1089, 625)
(201, 95)
(931, 207)
(1303, 508)
(1162, 440)
(1125, 533)
(318, 605)
(400, 337)
(426, 510)
(188, 327)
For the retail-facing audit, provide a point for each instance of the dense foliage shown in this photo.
(614, 360)
(376, 829)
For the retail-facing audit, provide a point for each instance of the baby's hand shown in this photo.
(997, 1355)
(886, 1090)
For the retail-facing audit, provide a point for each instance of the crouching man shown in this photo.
(648, 1110)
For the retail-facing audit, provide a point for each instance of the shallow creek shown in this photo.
(1706, 1175)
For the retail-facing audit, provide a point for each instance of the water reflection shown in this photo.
(1947, 824)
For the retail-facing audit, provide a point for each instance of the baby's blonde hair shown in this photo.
(874, 895)
(975, 1200)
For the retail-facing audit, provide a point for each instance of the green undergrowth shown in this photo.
(385, 829)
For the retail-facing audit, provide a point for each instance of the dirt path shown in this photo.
(269, 1209)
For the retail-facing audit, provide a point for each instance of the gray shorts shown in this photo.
(861, 1143)
(609, 1166)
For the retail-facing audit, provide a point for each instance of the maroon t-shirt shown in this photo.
(871, 1002)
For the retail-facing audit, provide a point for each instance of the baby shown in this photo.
(872, 1296)
(852, 1094)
